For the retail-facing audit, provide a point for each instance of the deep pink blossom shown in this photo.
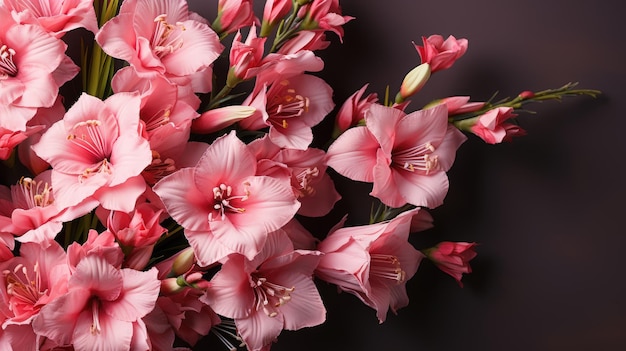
(494, 127)
(55, 17)
(353, 109)
(373, 262)
(222, 204)
(453, 258)
(325, 15)
(162, 37)
(305, 40)
(97, 151)
(440, 53)
(272, 292)
(102, 245)
(246, 57)
(9, 139)
(405, 156)
(102, 309)
(273, 12)
(233, 15)
(290, 107)
(33, 66)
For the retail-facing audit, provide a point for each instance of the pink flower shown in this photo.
(460, 104)
(223, 206)
(34, 215)
(160, 37)
(96, 151)
(493, 128)
(246, 58)
(102, 309)
(405, 156)
(30, 281)
(273, 12)
(304, 40)
(453, 258)
(326, 15)
(33, 66)
(102, 245)
(290, 107)
(440, 53)
(10, 139)
(372, 262)
(272, 292)
(53, 16)
(233, 15)
(353, 109)
(306, 170)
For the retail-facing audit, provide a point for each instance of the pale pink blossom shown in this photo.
(406, 157)
(304, 40)
(162, 37)
(272, 292)
(222, 204)
(460, 104)
(494, 126)
(102, 308)
(372, 262)
(233, 15)
(31, 280)
(453, 258)
(290, 107)
(33, 66)
(306, 170)
(55, 17)
(353, 109)
(216, 119)
(440, 53)
(97, 151)
(32, 212)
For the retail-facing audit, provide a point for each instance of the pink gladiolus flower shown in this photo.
(223, 206)
(353, 109)
(308, 40)
(233, 15)
(160, 37)
(55, 17)
(453, 258)
(405, 156)
(306, 170)
(493, 128)
(30, 281)
(246, 58)
(272, 292)
(216, 119)
(102, 309)
(460, 104)
(290, 107)
(96, 151)
(273, 12)
(372, 262)
(34, 215)
(325, 15)
(10, 139)
(440, 53)
(33, 65)
(102, 245)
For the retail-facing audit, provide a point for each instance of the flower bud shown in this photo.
(526, 94)
(183, 262)
(413, 81)
(170, 286)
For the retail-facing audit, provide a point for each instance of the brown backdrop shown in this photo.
(547, 209)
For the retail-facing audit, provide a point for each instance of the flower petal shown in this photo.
(353, 154)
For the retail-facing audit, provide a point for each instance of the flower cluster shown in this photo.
(163, 202)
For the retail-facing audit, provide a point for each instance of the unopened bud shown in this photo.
(526, 94)
(413, 81)
(183, 262)
(170, 286)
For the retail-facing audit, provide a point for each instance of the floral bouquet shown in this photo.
(158, 169)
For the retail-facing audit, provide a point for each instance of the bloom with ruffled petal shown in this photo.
(373, 262)
(245, 57)
(223, 205)
(405, 156)
(272, 292)
(453, 258)
(97, 151)
(353, 109)
(494, 127)
(290, 107)
(33, 66)
(102, 308)
(233, 15)
(161, 37)
(55, 17)
(440, 53)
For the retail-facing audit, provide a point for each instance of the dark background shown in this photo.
(547, 209)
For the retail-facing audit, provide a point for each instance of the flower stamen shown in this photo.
(7, 66)
(270, 296)
(167, 38)
(386, 267)
(417, 158)
(287, 104)
(223, 197)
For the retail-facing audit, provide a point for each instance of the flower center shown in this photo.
(7, 66)
(386, 268)
(34, 193)
(416, 158)
(95, 313)
(158, 119)
(286, 104)
(167, 38)
(88, 137)
(304, 179)
(223, 198)
(269, 296)
(24, 288)
(158, 169)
